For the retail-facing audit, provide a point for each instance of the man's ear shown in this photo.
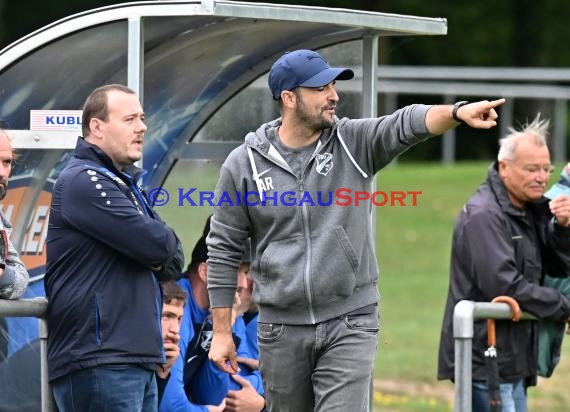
(96, 127)
(289, 98)
(203, 271)
(501, 166)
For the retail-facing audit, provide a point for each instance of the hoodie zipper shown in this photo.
(307, 234)
(306, 228)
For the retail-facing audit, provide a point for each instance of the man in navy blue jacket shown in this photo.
(106, 252)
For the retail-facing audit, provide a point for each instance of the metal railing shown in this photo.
(36, 307)
(464, 314)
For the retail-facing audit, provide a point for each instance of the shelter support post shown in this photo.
(464, 314)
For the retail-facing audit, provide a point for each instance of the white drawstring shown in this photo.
(255, 175)
(362, 172)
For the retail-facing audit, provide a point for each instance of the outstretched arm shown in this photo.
(479, 115)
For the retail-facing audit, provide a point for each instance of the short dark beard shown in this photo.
(3, 191)
(315, 124)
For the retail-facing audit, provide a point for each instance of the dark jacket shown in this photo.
(499, 249)
(103, 239)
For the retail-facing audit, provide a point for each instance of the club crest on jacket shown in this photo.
(324, 163)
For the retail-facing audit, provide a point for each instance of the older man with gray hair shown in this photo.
(507, 236)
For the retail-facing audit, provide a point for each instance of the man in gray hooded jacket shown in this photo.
(296, 187)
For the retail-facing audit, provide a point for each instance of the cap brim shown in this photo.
(327, 76)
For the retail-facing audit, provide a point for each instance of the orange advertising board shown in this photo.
(33, 249)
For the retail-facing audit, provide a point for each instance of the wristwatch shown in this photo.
(456, 107)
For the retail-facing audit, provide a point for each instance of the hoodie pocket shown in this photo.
(282, 266)
(331, 272)
(334, 266)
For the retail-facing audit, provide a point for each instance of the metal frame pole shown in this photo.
(463, 334)
(48, 404)
(464, 313)
(36, 307)
(369, 108)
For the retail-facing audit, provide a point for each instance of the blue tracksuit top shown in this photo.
(209, 384)
(103, 239)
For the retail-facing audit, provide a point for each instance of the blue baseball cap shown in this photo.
(303, 68)
(562, 187)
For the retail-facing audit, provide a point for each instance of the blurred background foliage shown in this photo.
(507, 33)
(482, 33)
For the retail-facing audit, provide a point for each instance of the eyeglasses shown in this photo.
(534, 168)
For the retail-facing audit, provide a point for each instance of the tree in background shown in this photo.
(483, 33)
(509, 33)
(19, 18)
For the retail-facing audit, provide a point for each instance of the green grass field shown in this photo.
(413, 246)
